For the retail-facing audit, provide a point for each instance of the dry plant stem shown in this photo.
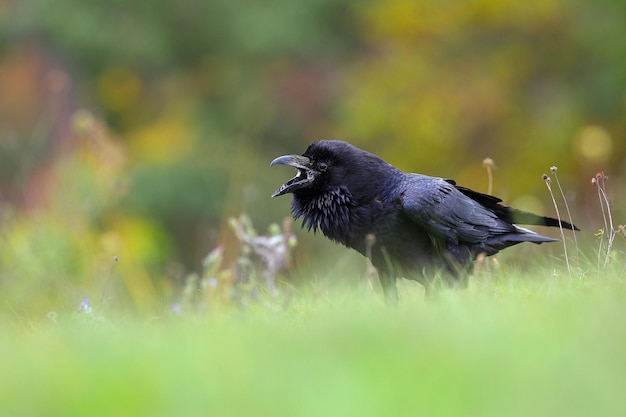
(489, 164)
(108, 281)
(569, 214)
(608, 225)
(597, 184)
(601, 234)
(609, 246)
(558, 215)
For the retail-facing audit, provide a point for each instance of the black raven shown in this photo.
(423, 227)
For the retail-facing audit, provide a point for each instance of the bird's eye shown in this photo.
(322, 166)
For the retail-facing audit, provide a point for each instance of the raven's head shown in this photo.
(321, 187)
(321, 167)
(310, 167)
(333, 181)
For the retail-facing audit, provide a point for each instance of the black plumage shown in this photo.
(425, 228)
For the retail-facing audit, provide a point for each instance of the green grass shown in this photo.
(510, 345)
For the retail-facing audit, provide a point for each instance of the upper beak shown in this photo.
(303, 166)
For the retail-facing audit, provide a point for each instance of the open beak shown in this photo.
(305, 174)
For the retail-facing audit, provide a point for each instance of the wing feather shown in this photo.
(437, 205)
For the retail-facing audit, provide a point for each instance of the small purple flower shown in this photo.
(176, 308)
(213, 282)
(85, 307)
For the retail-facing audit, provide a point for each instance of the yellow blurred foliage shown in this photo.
(52, 262)
(134, 244)
(98, 144)
(48, 263)
(407, 20)
(119, 89)
(594, 143)
(165, 140)
(54, 254)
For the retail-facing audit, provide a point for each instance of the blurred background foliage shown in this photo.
(135, 129)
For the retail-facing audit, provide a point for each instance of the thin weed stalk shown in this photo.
(105, 289)
(609, 246)
(553, 169)
(594, 181)
(547, 180)
(605, 206)
(600, 236)
(621, 230)
(489, 166)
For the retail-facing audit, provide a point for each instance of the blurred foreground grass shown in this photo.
(510, 345)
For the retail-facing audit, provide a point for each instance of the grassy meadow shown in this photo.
(513, 344)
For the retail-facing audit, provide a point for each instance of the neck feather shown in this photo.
(331, 212)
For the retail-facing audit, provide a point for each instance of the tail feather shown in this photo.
(524, 217)
(510, 214)
(498, 242)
